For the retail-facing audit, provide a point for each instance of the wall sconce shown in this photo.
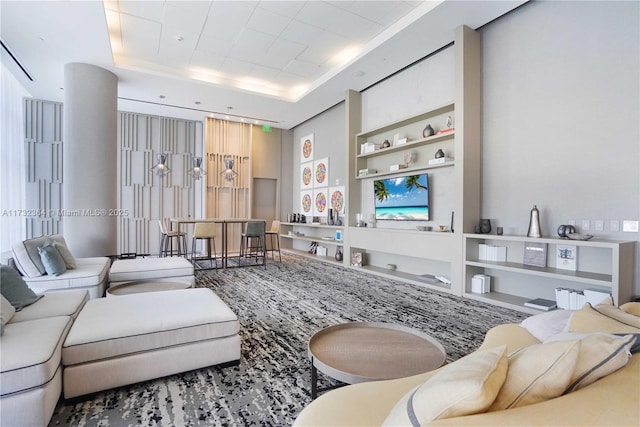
(196, 170)
(229, 174)
(161, 168)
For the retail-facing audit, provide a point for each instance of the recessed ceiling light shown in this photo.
(161, 96)
(179, 38)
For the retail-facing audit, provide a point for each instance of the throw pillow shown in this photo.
(545, 325)
(604, 318)
(52, 260)
(600, 355)
(631, 308)
(65, 253)
(466, 386)
(15, 290)
(537, 373)
(6, 312)
(27, 257)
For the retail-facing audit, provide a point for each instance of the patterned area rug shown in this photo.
(279, 308)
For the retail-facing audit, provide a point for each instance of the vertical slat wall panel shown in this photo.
(43, 147)
(224, 198)
(145, 196)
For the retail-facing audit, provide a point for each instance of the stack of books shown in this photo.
(481, 284)
(492, 252)
(541, 304)
(573, 299)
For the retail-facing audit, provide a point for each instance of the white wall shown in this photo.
(560, 116)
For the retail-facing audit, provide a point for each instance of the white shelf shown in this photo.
(411, 144)
(313, 239)
(327, 259)
(449, 107)
(602, 263)
(311, 224)
(403, 277)
(407, 170)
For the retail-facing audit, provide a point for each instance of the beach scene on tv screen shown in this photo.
(402, 198)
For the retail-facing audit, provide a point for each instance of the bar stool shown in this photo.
(254, 234)
(166, 239)
(204, 231)
(274, 231)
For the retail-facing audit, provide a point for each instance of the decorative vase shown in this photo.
(534, 223)
(439, 154)
(386, 144)
(339, 253)
(485, 226)
(428, 131)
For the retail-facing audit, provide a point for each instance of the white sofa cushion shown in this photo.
(88, 272)
(149, 268)
(31, 353)
(27, 258)
(7, 311)
(64, 303)
(146, 322)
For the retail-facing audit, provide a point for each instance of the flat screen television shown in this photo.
(403, 198)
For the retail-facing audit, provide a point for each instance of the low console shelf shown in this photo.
(601, 264)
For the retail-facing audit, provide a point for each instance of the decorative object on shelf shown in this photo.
(339, 255)
(315, 220)
(372, 221)
(481, 284)
(306, 148)
(356, 259)
(428, 131)
(321, 250)
(338, 236)
(443, 228)
(359, 220)
(484, 227)
(577, 236)
(196, 168)
(330, 217)
(565, 230)
(535, 254)
(368, 147)
(452, 221)
(534, 223)
(449, 123)
(228, 173)
(567, 257)
(386, 144)
(321, 172)
(439, 153)
(391, 267)
(421, 227)
(492, 253)
(499, 231)
(397, 167)
(313, 247)
(161, 168)
(410, 157)
(368, 171)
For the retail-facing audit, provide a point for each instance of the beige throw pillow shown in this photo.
(631, 308)
(604, 318)
(69, 260)
(466, 386)
(600, 355)
(537, 373)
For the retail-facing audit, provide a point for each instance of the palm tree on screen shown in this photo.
(380, 190)
(412, 181)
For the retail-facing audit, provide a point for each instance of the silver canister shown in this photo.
(534, 223)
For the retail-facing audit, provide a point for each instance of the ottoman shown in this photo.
(169, 269)
(138, 337)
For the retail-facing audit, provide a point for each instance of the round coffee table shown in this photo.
(140, 286)
(370, 351)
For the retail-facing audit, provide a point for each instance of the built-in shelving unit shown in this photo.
(296, 237)
(399, 250)
(601, 264)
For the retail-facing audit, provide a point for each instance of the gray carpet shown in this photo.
(280, 307)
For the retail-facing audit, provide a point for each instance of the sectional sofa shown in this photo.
(90, 273)
(447, 397)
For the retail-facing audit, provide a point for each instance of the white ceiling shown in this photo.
(278, 62)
